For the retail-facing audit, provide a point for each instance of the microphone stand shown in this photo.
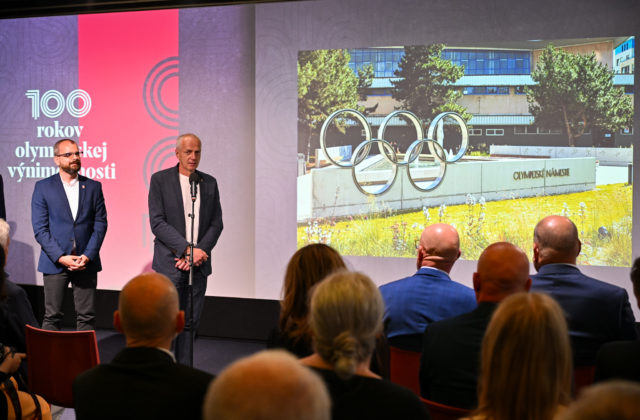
(191, 246)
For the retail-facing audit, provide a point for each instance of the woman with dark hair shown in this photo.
(525, 364)
(307, 267)
(345, 318)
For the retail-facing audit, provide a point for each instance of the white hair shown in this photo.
(4, 234)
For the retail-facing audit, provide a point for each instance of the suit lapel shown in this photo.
(57, 184)
(176, 191)
(82, 191)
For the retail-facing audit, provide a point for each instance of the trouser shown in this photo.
(182, 345)
(83, 284)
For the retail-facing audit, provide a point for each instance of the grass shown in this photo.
(603, 217)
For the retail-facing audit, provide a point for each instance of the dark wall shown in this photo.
(222, 317)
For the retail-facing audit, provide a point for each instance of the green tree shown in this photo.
(326, 84)
(575, 93)
(425, 84)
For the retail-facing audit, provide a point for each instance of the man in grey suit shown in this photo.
(143, 381)
(170, 202)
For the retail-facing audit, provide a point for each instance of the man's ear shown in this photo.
(476, 283)
(179, 322)
(420, 257)
(117, 324)
(579, 248)
(527, 285)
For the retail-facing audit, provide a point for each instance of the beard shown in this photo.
(72, 170)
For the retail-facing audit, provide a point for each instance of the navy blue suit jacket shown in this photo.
(597, 312)
(166, 215)
(56, 230)
(427, 296)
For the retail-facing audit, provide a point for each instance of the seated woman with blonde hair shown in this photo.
(525, 366)
(345, 318)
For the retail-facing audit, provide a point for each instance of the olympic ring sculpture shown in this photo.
(386, 150)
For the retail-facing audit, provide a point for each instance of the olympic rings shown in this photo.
(433, 141)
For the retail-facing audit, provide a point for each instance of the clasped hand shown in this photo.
(74, 262)
(199, 257)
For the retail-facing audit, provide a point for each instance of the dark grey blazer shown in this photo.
(166, 215)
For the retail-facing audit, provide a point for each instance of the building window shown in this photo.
(549, 131)
(494, 131)
(475, 131)
(520, 90)
(385, 61)
(524, 129)
(487, 62)
(485, 90)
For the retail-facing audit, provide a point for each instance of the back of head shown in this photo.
(268, 385)
(614, 400)
(503, 269)
(3, 260)
(147, 310)
(5, 230)
(555, 241)
(635, 279)
(439, 246)
(346, 315)
(526, 360)
(307, 267)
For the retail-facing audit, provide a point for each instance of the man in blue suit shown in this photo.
(597, 312)
(69, 221)
(170, 202)
(430, 294)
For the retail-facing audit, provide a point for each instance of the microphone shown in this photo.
(194, 179)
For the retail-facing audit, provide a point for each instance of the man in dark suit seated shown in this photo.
(597, 312)
(451, 353)
(143, 381)
(430, 294)
(621, 359)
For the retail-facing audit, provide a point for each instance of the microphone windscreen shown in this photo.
(194, 178)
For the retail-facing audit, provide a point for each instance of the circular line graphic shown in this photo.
(152, 91)
(157, 156)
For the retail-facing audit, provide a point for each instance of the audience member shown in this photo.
(621, 359)
(143, 380)
(307, 267)
(345, 317)
(430, 294)
(613, 400)
(14, 304)
(597, 312)
(525, 367)
(14, 403)
(270, 385)
(451, 353)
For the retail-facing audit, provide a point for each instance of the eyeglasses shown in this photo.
(68, 155)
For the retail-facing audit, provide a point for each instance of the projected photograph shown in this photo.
(488, 137)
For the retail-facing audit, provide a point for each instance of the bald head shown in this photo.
(148, 313)
(503, 269)
(439, 247)
(278, 386)
(555, 240)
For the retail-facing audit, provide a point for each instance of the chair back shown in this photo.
(582, 377)
(55, 359)
(439, 411)
(404, 367)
